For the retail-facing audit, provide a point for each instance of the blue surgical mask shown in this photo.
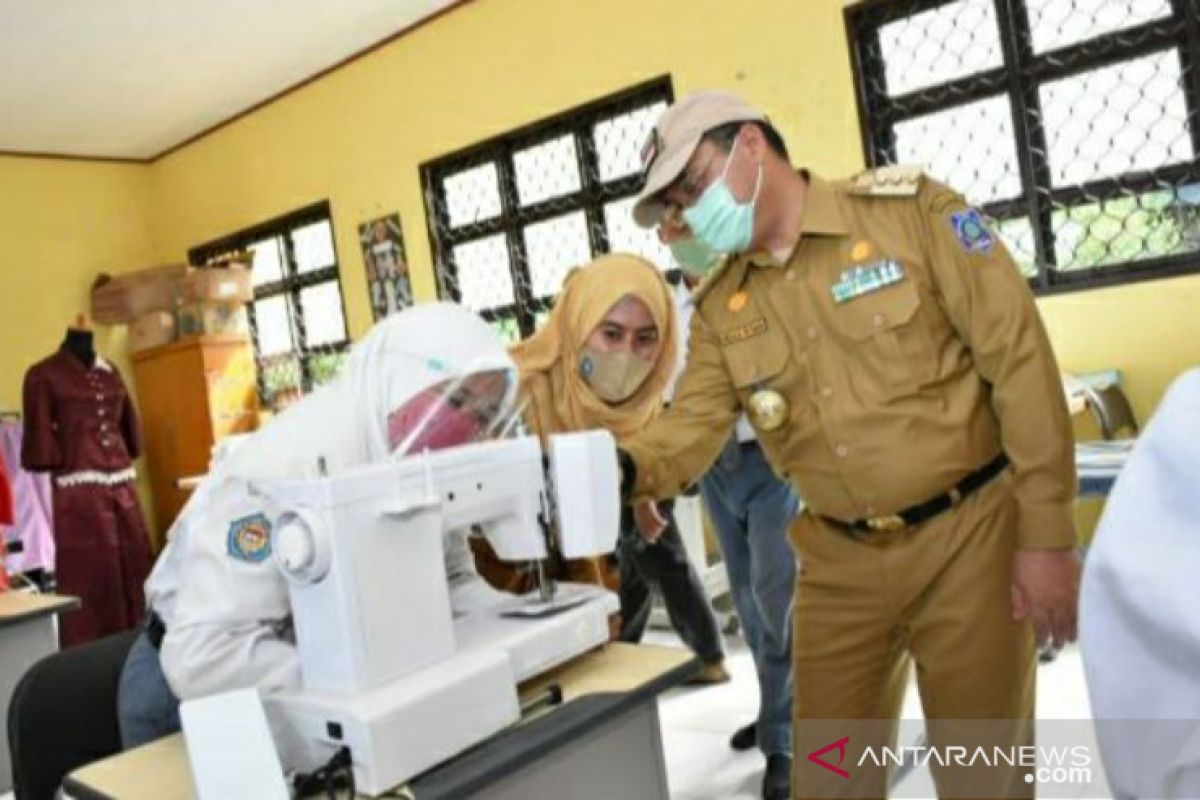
(694, 256)
(718, 219)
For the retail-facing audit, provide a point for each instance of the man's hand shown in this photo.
(650, 522)
(1045, 589)
(672, 228)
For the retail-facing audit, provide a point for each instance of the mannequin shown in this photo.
(81, 428)
(80, 342)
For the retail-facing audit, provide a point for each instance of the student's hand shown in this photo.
(650, 522)
(1045, 589)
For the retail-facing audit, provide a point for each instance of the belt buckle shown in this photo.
(888, 524)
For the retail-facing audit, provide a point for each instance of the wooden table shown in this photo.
(604, 741)
(28, 633)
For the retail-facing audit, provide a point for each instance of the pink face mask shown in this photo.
(440, 424)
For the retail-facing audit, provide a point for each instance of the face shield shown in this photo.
(475, 407)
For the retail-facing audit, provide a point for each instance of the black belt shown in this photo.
(917, 514)
(155, 630)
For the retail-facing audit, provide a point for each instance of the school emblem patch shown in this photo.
(250, 539)
(971, 232)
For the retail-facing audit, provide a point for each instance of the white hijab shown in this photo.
(1140, 608)
(345, 423)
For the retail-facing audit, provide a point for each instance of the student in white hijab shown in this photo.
(432, 377)
(1140, 609)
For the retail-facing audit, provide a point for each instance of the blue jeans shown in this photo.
(751, 510)
(146, 707)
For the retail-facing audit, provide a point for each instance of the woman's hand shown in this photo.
(650, 522)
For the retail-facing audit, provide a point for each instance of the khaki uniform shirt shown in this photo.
(899, 379)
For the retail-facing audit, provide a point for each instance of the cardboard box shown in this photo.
(120, 299)
(224, 319)
(231, 284)
(241, 258)
(151, 330)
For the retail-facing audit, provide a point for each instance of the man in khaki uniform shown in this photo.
(893, 363)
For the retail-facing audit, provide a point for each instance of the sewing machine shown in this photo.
(391, 667)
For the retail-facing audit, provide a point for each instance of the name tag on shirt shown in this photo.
(748, 331)
(866, 278)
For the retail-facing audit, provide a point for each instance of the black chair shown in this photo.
(63, 715)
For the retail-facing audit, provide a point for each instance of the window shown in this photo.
(297, 318)
(1073, 124)
(508, 218)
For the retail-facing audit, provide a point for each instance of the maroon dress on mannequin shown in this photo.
(81, 427)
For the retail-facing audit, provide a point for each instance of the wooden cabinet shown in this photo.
(191, 394)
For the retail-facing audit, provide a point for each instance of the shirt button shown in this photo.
(791, 275)
(878, 320)
(842, 451)
(827, 391)
(813, 333)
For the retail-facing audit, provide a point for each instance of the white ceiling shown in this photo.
(132, 78)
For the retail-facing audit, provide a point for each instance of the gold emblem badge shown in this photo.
(861, 251)
(738, 301)
(768, 410)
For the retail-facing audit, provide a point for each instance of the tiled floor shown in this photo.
(697, 723)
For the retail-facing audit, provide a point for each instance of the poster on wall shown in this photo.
(387, 269)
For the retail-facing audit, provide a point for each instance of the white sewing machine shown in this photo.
(389, 669)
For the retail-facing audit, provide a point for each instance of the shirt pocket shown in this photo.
(769, 363)
(756, 361)
(887, 330)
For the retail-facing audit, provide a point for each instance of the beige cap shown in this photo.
(674, 139)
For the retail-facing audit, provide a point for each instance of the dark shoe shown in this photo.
(745, 738)
(777, 782)
(710, 674)
(1047, 654)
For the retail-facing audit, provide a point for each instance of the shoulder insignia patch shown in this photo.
(971, 231)
(893, 181)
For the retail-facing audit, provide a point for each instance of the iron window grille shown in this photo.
(1074, 125)
(509, 217)
(297, 318)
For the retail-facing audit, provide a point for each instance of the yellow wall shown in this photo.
(61, 223)
(1150, 331)
(359, 135)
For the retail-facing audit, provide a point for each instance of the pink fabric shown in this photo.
(34, 520)
(6, 501)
